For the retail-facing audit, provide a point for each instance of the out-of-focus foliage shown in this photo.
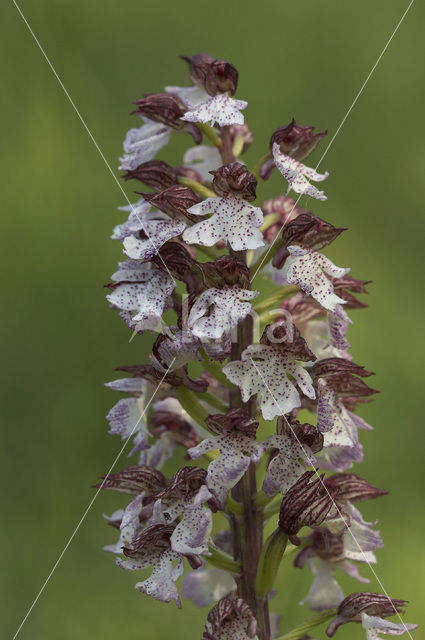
(60, 341)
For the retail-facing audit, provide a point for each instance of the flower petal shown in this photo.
(298, 175)
(235, 221)
(144, 290)
(220, 109)
(375, 626)
(217, 311)
(307, 269)
(263, 370)
(141, 145)
(157, 231)
(161, 584)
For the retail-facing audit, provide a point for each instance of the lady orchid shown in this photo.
(221, 373)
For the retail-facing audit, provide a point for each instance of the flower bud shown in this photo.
(176, 427)
(154, 538)
(134, 480)
(162, 107)
(243, 132)
(296, 141)
(176, 259)
(352, 487)
(233, 420)
(174, 201)
(234, 179)
(310, 231)
(155, 174)
(306, 504)
(341, 375)
(230, 618)
(373, 604)
(306, 434)
(215, 76)
(225, 271)
(286, 336)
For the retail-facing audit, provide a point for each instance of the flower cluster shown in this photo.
(193, 246)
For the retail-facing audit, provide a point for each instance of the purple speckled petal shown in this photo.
(263, 370)
(236, 452)
(126, 417)
(307, 269)
(233, 220)
(217, 311)
(142, 144)
(288, 465)
(298, 175)
(145, 291)
(375, 626)
(158, 230)
(161, 584)
(220, 109)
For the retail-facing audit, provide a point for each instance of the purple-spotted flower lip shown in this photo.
(237, 448)
(298, 175)
(310, 271)
(221, 109)
(217, 311)
(263, 370)
(235, 221)
(293, 449)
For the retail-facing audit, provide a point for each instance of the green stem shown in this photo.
(275, 298)
(213, 401)
(210, 252)
(273, 507)
(265, 259)
(215, 371)
(269, 220)
(197, 187)
(303, 628)
(270, 559)
(238, 146)
(222, 560)
(192, 406)
(262, 160)
(210, 133)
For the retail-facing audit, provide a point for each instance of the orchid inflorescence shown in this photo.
(219, 367)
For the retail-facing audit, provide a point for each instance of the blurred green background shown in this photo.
(61, 342)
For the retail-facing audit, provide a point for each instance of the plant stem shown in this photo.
(262, 160)
(197, 187)
(302, 629)
(247, 528)
(210, 133)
